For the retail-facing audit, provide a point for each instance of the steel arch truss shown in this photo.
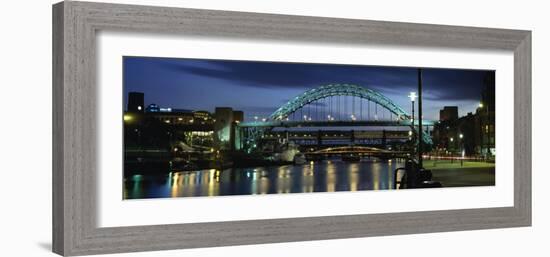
(325, 91)
(329, 90)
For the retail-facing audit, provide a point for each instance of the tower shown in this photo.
(136, 102)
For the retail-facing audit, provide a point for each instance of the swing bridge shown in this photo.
(333, 115)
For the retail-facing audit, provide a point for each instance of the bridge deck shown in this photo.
(290, 124)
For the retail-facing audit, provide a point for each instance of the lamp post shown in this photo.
(451, 153)
(461, 136)
(412, 96)
(482, 125)
(420, 142)
(480, 129)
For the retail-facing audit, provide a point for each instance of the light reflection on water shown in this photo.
(326, 176)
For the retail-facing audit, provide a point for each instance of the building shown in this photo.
(236, 134)
(152, 108)
(448, 113)
(486, 113)
(474, 133)
(225, 121)
(238, 116)
(203, 117)
(171, 126)
(179, 116)
(458, 136)
(223, 117)
(156, 127)
(136, 102)
(173, 118)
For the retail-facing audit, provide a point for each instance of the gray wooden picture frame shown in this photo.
(75, 25)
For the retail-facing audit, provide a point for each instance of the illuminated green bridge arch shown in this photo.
(280, 118)
(325, 91)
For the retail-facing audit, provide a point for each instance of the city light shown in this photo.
(413, 96)
(382, 139)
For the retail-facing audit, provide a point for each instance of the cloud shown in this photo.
(439, 84)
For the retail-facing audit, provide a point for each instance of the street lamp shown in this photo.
(483, 121)
(463, 151)
(412, 96)
(127, 117)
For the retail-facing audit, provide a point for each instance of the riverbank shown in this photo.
(468, 174)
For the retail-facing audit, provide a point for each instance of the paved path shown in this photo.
(470, 176)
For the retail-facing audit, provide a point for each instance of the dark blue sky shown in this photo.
(259, 88)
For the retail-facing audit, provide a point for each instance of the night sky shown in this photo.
(259, 88)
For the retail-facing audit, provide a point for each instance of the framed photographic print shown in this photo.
(183, 128)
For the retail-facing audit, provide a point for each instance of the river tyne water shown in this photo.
(325, 176)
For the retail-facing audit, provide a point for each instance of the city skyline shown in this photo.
(248, 127)
(198, 84)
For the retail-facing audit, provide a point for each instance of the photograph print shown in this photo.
(207, 128)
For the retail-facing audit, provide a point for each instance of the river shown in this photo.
(325, 176)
